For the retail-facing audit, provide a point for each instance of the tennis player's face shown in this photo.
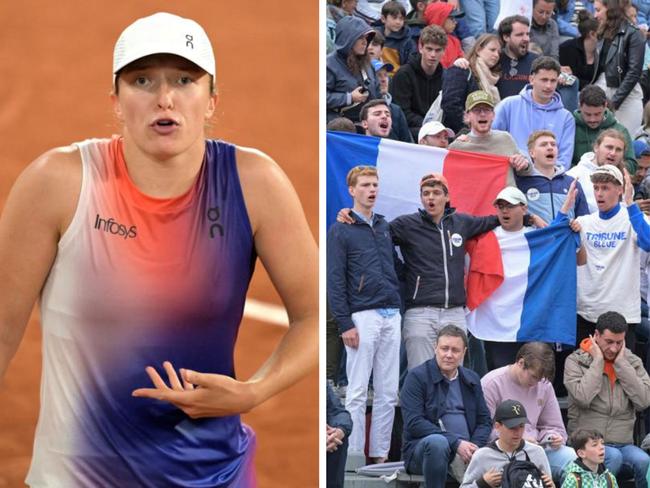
(164, 102)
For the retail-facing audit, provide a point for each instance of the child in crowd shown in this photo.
(588, 471)
(399, 45)
(444, 15)
(376, 46)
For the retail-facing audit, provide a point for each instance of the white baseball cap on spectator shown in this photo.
(512, 195)
(433, 128)
(611, 170)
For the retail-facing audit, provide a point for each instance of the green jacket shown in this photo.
(588, 479)
(586, 136)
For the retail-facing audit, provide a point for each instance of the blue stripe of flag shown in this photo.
(549, 311)
(344, 152)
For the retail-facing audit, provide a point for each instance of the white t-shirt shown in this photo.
(610, 281)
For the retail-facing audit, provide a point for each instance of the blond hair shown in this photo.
(357, 171)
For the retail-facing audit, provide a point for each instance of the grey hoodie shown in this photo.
(491, 456)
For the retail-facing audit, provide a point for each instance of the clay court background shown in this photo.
(55, 77)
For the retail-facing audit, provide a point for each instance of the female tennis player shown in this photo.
(141, 248)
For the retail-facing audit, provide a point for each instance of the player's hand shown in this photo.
(575, 226)
(359, 96)
(570, 199)
(548, 481)
(492, 477)
(594, 350)
(628, 192)
(465, 450)
(344, 216)
(200, 394)
(518, 162)
(351, 338)
(335, 437)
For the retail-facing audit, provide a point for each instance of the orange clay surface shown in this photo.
(55, 78)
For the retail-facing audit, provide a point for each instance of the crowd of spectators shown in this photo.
(561, 95)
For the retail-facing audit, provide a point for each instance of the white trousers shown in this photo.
(630, 113)
(421, 326)
(378, 352)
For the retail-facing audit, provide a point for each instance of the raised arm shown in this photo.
(38, 209)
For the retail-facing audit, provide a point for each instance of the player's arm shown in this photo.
(289, 253)
(37, 210)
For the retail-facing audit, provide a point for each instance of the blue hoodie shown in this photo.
(340, 81)
(521, 115)
(547, 195)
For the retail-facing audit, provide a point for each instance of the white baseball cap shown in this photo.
(611, 170)
(164, 33)
(432, 128)
(512, 195)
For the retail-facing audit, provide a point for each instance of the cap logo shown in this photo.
(189, 43)
(516, 409)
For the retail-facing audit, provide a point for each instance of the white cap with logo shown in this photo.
(164, 33)
(512, 195)
(433, 128)
(610, 170)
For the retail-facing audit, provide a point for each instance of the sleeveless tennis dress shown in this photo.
(138, 280)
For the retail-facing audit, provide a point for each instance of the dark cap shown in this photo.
(510, 413)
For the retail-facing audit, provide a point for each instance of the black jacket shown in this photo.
(360, 269)
(415, 91)
(457, 83)
(572, 53)
(624, 61)
(434, 255)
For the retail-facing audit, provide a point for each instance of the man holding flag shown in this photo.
(432, 242)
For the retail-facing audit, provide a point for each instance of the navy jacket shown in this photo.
(434, 255)
(360, 269)
(423, 399)
(457, 83)
(337, 415)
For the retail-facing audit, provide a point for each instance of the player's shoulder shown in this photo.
(257, 168)
(57, 166)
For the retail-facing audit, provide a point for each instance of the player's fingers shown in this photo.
(157, 381)
(153, 393)
(186, 384)
(174, 382)
(197, 379)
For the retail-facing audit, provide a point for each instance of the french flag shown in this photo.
(474, 179)
(520, 288)
(537, 299)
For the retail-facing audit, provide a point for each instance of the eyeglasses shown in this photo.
(505, 206)
(482, 110)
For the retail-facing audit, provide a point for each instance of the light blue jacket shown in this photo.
(521, 115)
